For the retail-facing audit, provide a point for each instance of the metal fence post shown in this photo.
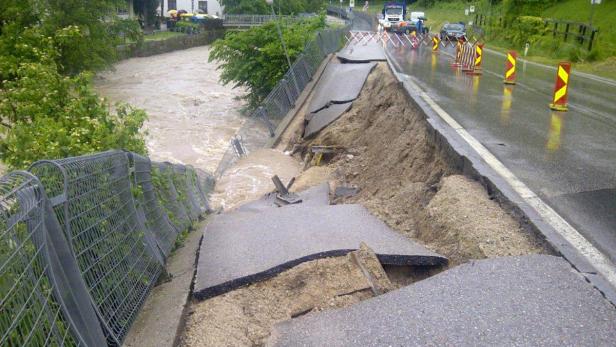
(262, 112)
(287, 92)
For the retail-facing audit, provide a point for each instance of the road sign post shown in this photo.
(436, 42)
(559, 99)
(510, 64)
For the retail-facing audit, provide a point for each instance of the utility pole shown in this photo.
(592, 10)
(284, 45)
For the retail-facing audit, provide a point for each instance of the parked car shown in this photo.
(453, 31)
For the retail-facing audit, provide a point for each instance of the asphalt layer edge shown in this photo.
(529, 209)
(388, 259)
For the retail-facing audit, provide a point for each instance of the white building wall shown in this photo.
(213, 6)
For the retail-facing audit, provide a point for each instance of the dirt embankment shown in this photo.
(406, 178)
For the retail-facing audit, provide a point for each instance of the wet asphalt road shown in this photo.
(567, 158)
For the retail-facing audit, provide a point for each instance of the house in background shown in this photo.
(211, 7)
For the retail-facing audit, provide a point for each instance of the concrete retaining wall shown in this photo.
(148, 48)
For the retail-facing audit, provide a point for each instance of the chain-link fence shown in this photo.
(263, 125)
(77, 266)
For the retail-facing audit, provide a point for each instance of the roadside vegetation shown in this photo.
(255, 59)
(285, 7)
(48, 53)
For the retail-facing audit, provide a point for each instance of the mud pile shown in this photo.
(409, 180)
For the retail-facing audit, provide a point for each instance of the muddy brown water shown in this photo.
(192, 116)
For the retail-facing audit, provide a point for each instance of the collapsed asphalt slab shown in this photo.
(362, 52)
(340, 83)
(319, 120)
(314, 196)
(240, 248)
(526, 300)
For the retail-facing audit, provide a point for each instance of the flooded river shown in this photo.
(192, 117)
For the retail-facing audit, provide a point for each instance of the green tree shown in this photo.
(47, 111)
(254, 59)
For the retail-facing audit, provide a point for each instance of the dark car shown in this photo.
(454, 31)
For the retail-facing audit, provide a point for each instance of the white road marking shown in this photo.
(595, 257)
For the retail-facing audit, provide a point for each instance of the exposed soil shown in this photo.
(402, 175)
(245, 316)
(312, 177)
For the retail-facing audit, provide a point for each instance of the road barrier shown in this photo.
(468, 57)
(559, 99)
(435, 43)
(84, 240)
(510, 65)
(458, 57)
(476, 60)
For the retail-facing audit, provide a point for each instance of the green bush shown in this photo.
(255, 59)
(46, 115)
(185, 24)
(526, 29)
(48, 108)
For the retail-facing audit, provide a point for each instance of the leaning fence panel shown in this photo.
(30, 313)
(162, 174)
(97, 213)
(197, 189)
(156, 220)
(44, 300)
(186, 195)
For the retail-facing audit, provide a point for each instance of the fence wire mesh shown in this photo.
(162, 174)
(186, 195)
(156, 219)
(76, 267)
(98, 216)
(197, 189)
(30, 315)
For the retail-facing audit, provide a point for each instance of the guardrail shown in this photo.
(84, 240)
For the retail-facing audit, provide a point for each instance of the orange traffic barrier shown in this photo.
(467, 57)
(559, 100)
(510, 67)
(477, 60)
(435, 44)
